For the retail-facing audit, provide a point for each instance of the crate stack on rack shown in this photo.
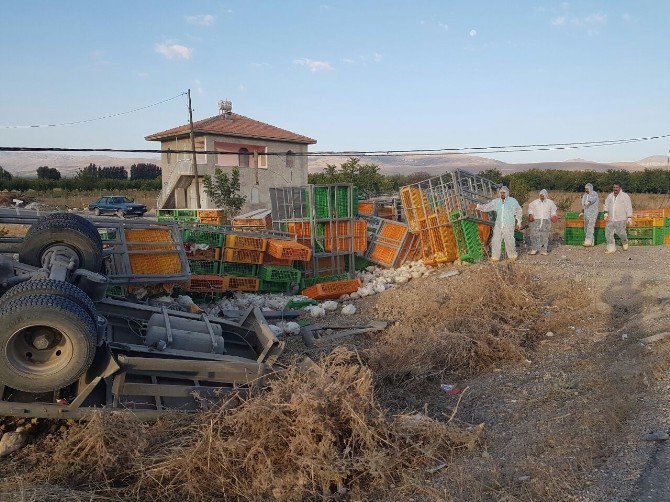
(441, 213)
(574, 233)
(323, 219)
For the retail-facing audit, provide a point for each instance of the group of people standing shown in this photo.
(618, 211)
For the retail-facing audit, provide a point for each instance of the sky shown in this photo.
(354, 75)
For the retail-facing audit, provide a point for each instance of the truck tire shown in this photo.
(47, 343)
(54, 288)
(69, 233)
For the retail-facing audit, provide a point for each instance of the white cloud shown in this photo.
(314, 66)
(443, 26)
(473, 33)
(142, 75)
(588, 21)
(376, 57)
(174, 51)
(348, 60)
(200, 19)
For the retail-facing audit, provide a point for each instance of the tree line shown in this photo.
(143, 176)
(372, 182)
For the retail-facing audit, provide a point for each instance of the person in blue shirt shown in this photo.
(508, 218)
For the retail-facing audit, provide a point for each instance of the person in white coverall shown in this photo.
(618, 212)
(508, 211)
(541, 214)
(590, 213)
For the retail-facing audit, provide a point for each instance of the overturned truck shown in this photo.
(67, 347)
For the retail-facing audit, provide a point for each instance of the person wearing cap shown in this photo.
(508, 217)
(589, 212)
(541, 214)
(618, 212)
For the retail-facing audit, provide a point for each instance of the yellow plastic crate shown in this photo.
(155, 263)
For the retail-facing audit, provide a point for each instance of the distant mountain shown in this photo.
(26, 163)
(655, 161)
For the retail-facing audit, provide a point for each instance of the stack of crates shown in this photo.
(277, 278)
(646, 230)
(466, 237)
(211, 216)
(179, 215)
(206, 261)
(159, 260)
(574, 233)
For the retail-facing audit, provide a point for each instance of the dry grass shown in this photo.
(493, 317)
(310, 435)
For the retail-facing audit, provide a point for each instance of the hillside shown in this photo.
(25, 163)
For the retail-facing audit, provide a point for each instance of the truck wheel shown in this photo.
(66, 233)
(54, 288)
(47, 343)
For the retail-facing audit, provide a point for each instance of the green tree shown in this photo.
(492, 174)
(224, 191)
(48, 173)
(5, 174)
(144, 171)
(113, 173)
(520, 190)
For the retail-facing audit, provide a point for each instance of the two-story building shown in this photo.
(243, 142)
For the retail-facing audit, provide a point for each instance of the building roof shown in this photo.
(237, 126)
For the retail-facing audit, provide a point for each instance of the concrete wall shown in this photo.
(276, 173)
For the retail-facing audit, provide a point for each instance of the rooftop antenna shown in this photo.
(226, 109)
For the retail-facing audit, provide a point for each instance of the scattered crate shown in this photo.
(210, 254)
(166, 215)
(238, 269)
(360, 263)
(251, 256)
(340, 240)
(299, 228)
(212, 238)
(271, 260)
(259, 218)
(307, 282)
(207, 284)
(246, 242)
(204, 267)
(366, 207)
(332, 290)
(236, 283)
(212, 216)
(116, 291)
(288, 250)
(414, 203)
(273, 287)
(274, 273)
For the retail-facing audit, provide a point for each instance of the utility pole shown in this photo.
(195, 163)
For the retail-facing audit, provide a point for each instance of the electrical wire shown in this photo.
(77, 122)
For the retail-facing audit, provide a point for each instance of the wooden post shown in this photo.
(195, 163)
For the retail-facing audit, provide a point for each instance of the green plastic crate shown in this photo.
(466, 235)
(360, 263)
(187, 215)
(205, 297)
(279, 273)
(273, 287)
(654, 233)
(298, 304)
(576, 236)
(306, 282)
(116, 291)
(575, 216)
(166, 215)
(107, 234)
(200, 236)
(204, 267)
(238, 269)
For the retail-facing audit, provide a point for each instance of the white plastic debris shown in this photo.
(185, 300)
(292, 328)
(329, 305)
(380, 288)
(276, 329)
(349, 309)
(316, 311)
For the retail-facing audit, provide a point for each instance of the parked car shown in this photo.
(117, 204)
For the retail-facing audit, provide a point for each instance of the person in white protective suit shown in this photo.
(541, 214)
(589, 212)
(508, 217)
(618, 212)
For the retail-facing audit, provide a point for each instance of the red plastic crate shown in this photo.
(288, 250)
(332, 290)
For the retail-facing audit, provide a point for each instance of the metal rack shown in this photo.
(321, 217)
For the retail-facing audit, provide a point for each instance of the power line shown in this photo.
(77, 122)
(360, 153)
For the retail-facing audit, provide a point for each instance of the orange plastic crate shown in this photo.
(152, 264)
(212, 216)
(384, 254)
(265, 222)
(652, 213)
(246, 242)
(243, 256)
(299, 229)
(242, 283)
(415, 205)
(580, 223)
(645, 221)
(666, 239)
(344, 232)
(332, 290)
(288, 250)
(268, 259)
(366, 207)
(207, 284)
(484, 232)
(393, 230)
(386, 212)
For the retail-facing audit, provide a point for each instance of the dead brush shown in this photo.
(474, 325)
(308, 436)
